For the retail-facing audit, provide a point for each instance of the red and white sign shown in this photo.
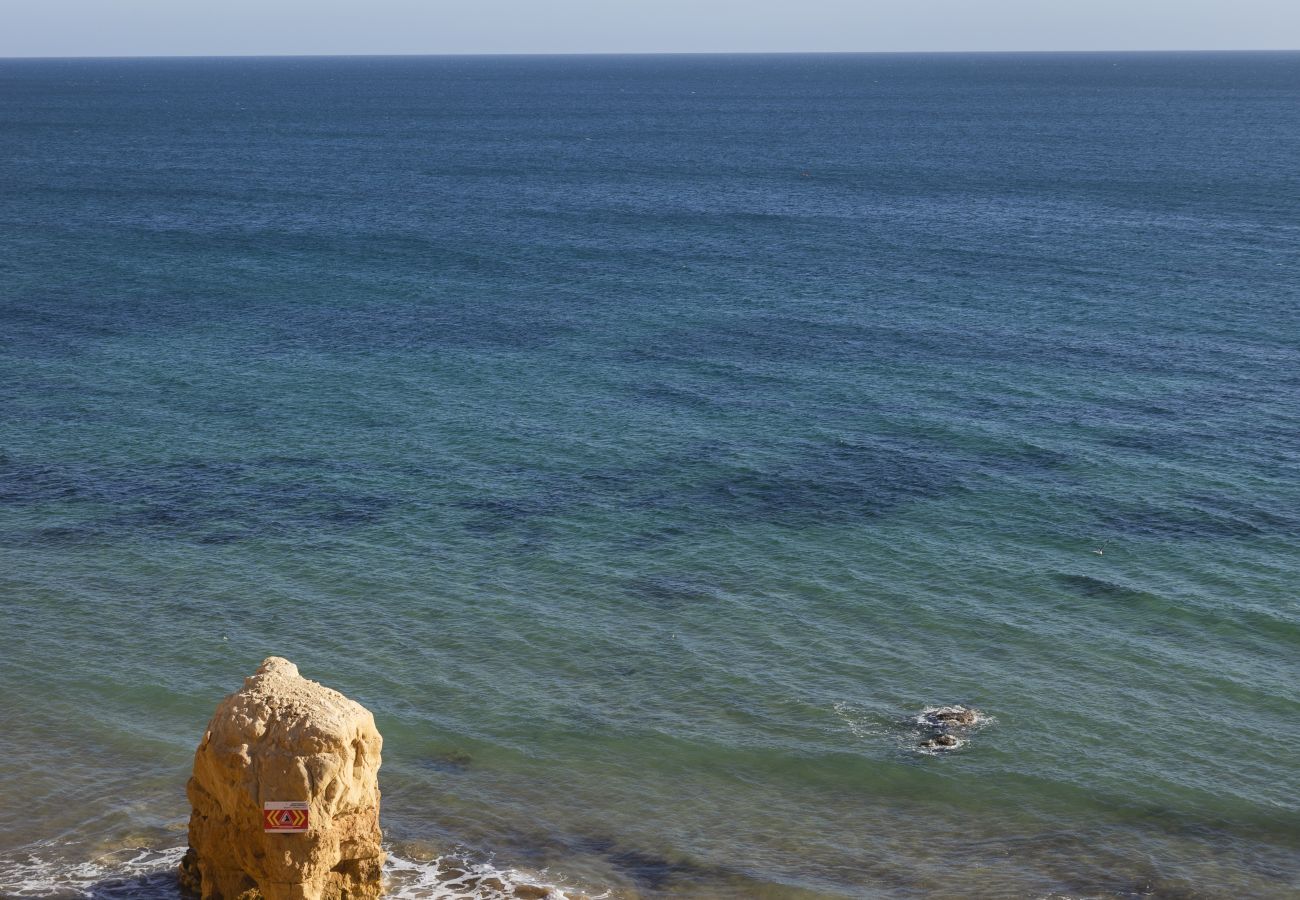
(284, 817)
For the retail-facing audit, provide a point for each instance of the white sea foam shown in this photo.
(452, 878)
(860, 724)
(127, 872)
(141, 873)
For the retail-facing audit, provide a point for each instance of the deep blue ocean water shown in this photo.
(645, 440)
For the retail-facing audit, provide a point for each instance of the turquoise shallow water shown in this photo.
(645, 441)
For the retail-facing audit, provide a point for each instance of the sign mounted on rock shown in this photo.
(284, 817)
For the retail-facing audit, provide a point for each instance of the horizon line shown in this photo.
(356, 54)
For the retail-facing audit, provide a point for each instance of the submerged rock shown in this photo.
(282, 739)
(942, 742)
(450, 761)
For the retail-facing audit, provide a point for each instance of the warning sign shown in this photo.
(284, 817)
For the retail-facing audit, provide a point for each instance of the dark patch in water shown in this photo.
(25, 484)
(675, 398)
(495, 515)
(1205, 517)
(649, 540)
(58, 535)
(1026, 457)
(815, 482)
(830, 484)
(649, 870)
(1267, 519)
(1139, 887)
(1163, 443)
(201, 501)
(1136, 519)
(668, 592)
(154, 886)
(452, 762)
(1089, 586)
(797, 338)
(220, 538)
(653, 871)
(863, 480)
(406, 324)
(301, 462)
(355, 513)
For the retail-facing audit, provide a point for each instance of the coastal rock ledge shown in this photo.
(282, 739)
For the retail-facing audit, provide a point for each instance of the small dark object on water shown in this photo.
(941, 742)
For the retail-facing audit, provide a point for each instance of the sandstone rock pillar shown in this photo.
(282, 739)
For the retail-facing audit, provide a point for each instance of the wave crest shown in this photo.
(143, 873)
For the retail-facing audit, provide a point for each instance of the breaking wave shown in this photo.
(141, 873)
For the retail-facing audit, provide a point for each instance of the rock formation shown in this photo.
(942, 742)
(281, 739)
(939, 726)
(948, 716)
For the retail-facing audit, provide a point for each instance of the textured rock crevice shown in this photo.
(283, 738)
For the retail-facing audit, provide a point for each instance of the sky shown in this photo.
(254, 27)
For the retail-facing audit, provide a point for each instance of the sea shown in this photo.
(648, 441)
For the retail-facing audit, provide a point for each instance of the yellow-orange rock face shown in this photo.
(284, 738)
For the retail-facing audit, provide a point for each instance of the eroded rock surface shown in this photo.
(284, 738)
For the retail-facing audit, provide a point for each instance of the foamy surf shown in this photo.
(450, 877)
(860, 722)
(141, 873)
(134, 872)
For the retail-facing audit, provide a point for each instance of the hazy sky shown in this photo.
(187, 27)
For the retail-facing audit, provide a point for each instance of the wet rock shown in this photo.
(450, 871)
(532, 892)
(951, 716)
(942, 742)
(282, 738)
(942, 728)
